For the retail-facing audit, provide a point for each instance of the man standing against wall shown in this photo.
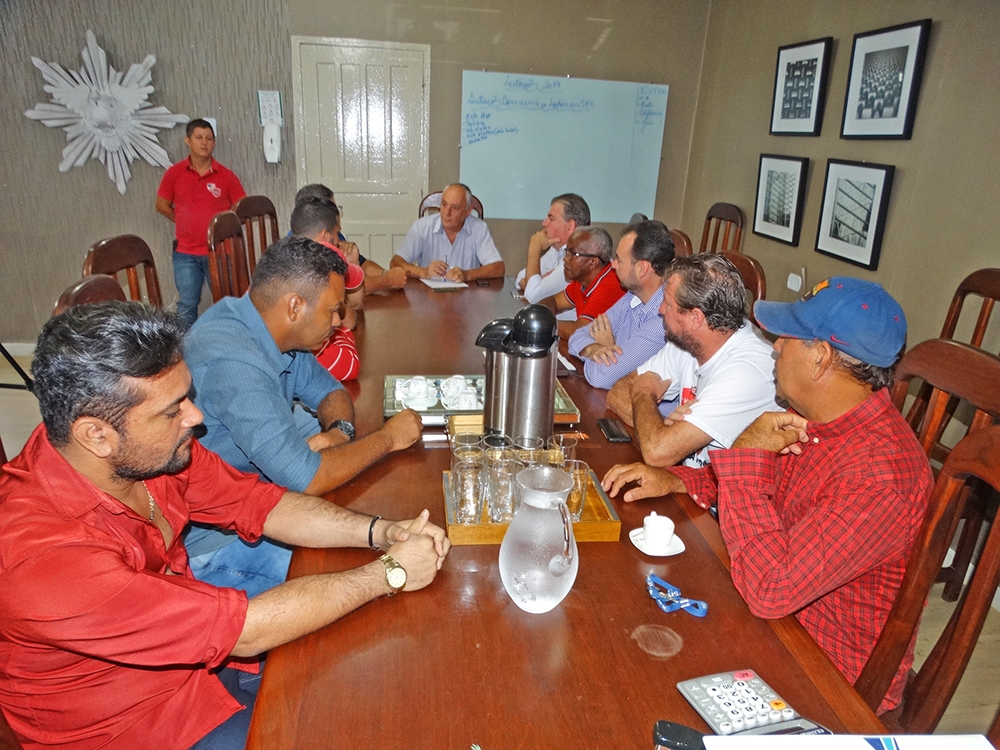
(191, 193)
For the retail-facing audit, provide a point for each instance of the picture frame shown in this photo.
(800, 84)
(781, 194)
(887, 66)
(852, 218)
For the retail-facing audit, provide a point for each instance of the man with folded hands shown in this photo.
(251, 367)
(106, 638)
(819, 506)
(542, 275)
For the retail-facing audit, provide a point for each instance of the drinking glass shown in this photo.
(504, 495)
(577, 499)
(562, 448)
(467, 478)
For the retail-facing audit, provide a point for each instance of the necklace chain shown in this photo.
(152, 503)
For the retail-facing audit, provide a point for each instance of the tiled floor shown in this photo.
(971, 711)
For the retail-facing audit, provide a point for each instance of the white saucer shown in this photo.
(638, 538)
(420, 403)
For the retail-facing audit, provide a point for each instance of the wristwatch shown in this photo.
(344, 426)
(395, 575)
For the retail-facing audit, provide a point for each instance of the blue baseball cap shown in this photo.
(858, 318)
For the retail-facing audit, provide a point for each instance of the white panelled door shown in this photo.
(361, 128)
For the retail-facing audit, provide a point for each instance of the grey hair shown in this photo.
(711, 283)
(468, 192)
(867, 374)
(598, 243)
(574, 208)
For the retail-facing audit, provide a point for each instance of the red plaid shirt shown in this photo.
(825, 535)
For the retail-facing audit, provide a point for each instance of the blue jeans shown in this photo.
(232, 733)
(190, 275)
(223, 559)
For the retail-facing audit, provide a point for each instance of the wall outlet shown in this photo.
(794, 282)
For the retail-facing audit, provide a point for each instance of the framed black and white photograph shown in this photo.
(885, 73)
(800, 88)
(781, 193)
(855, 201)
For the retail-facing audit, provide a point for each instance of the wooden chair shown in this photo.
(719, 215)
(87, 291)
(682, 243)
(260, 225)
(753, 277)
(8, 740)
(126, 252)
(945, 366)
(432, 203)
(984, 283)
(3, 454)
(927, 695)
(227, 257)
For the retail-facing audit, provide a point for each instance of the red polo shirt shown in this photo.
(196, 199)
(598, 297)
(101, 647)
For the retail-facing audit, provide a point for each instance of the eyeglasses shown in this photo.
(575, 254)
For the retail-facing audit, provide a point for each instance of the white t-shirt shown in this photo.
(733, 388)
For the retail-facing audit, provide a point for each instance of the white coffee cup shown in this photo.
(467, 399)
(416, 387)
(453, 386)
(657, 531)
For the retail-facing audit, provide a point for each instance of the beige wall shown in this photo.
(659, 42)
(940, 225)
(212, 57)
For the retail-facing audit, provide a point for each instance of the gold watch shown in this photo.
(395, 574)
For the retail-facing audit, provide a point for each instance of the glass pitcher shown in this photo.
(538, 556)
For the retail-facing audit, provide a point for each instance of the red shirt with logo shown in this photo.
(603, 292)
(196, 199)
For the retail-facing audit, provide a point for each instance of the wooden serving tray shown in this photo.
(598, 523)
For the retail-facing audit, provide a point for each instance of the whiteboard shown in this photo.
(526, 139)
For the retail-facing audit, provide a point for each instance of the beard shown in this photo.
(132, 463)
(685, 342)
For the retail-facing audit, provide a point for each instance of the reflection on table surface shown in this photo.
(458, 663)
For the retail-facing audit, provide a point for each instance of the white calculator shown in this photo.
(742, 703)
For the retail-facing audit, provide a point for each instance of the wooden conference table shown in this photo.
(458, 663)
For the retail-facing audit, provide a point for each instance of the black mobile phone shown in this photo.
(614, 430)
(668, 735)
(482, 282)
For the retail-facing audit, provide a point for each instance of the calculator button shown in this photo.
(749, 711)
(735, 713)
(737, 724)
(741, 703)
(787, 714)
(748, 692)
(712, 690)
(775, 716)
(740, 684)
(746, 674)
(725, 728)
(726, 704)
(727, 686)
(778, 704)
(750, 721)
(763, 717)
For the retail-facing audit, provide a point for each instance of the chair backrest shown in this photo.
(983, 283)
(8, 740)
(927, 695)
(432, 204)
(753, 277)
(723, 215)
(260, 225)
(86, 291)
(126, 252)
(3, 455)
(945, 366)
(228, 273)
(682, 243)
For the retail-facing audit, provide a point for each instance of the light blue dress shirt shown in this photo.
(426, 242)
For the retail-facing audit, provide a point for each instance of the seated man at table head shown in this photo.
(715, 364)
(631, 331)
(451, 244)
(251, 368)
(591, 283)
(377, 279)
(819, 506)
(106, 639)
(542, 275)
